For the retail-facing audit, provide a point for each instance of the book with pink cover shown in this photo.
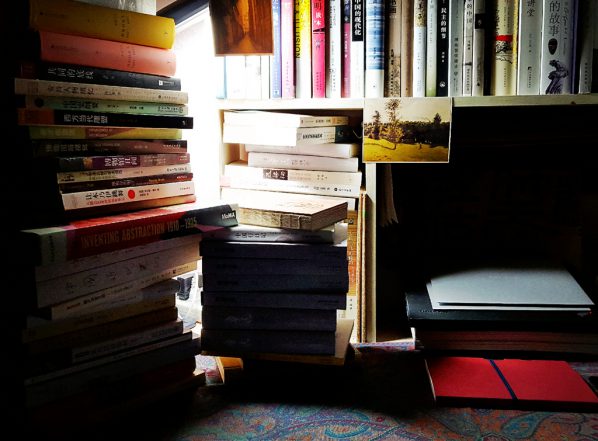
(509, 383)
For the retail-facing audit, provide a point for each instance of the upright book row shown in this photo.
(377, 48)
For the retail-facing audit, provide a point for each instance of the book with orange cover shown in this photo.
(509, 383)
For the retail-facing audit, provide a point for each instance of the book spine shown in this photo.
(335, 150)
(287, 47)
(120, 173)
(236, 81)
(274, 282)
(80, 163)
(285, 342)
(101, 22)
(86, 132)
(250, 233)
(88, 199)
(302, 162)
(155, 286)
(61, 269)
(113, 106)
(249, 250)
(47, 117)
(265, 119)
(442, 47)
(419, 48)
(318, 48)
(274, 299)
(346, 63)
(70, 286)
(276, 58)
(479, 39)
(53, 245)
(303, 49)
(357, 49)
(42, 148)
(374, 48)
(468, 19)
(285, 135)
(36, 334)
(529, 53)
(587, 13)
(223, 266)
(25, 86)
(300, 187)
(159, 332)
(132, 182)
(407, 17)
(432, 32)
(504, 56)
(456, 47)
(335, 50)
(557, 47)
(283, 319)
(73, 49)
(95, 75)
(392, 77)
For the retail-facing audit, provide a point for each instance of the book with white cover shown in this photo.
(327, 183)
(334, 150)
(530, 39)
(281, 119)
(276, 135)
(557, 56)
(513, 286)
(302, 162)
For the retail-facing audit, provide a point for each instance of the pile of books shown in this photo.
(300, 156)
(521, 308)
(107, 214)
(274, 291)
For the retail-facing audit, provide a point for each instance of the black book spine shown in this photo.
(442, 50)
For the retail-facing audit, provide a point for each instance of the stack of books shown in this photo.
(275, 290)
(528, 309)
(301, 154)
(99, 105)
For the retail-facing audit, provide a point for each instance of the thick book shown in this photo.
(504, 49)
(392, 49)
(289, 210)
(90, 176)
(121, 195)
(110, 372)
(274, 250)
(282, 319)
(331, 282)
(73, 49)
(509, 383)
(101, 105)
(318, 48)
(374, 48)
(269, 299)
(281, 119)
(42, 246)
(79, 163)
(77, 18)
(27, 86)
(95, 75)
(303, 49)
(90, 147)
(91, 132)
(275, 135)
(302, 162)
(266, 266)
(335, 233)
(334, 150)
(530, 48)
(92, 280)
(48, 117)
(239, 342)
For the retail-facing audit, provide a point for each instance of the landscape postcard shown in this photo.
(407, 129)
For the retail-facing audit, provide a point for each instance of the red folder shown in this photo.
(510, 383)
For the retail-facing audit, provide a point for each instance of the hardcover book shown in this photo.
(274, 250)
(331, 282)
(42, 246)
(265, 266)
(273, 299)
(289, 210)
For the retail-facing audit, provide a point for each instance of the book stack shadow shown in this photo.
(273, 294)
(114, 220)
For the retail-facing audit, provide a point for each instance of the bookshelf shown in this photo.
(501, 124)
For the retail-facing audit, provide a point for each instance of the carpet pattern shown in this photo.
(230, 420)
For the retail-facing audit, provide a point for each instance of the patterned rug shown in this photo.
(217, 415)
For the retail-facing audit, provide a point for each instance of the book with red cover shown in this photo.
(509, 383)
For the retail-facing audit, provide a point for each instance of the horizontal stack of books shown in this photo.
(272, 291)
(512, 308)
